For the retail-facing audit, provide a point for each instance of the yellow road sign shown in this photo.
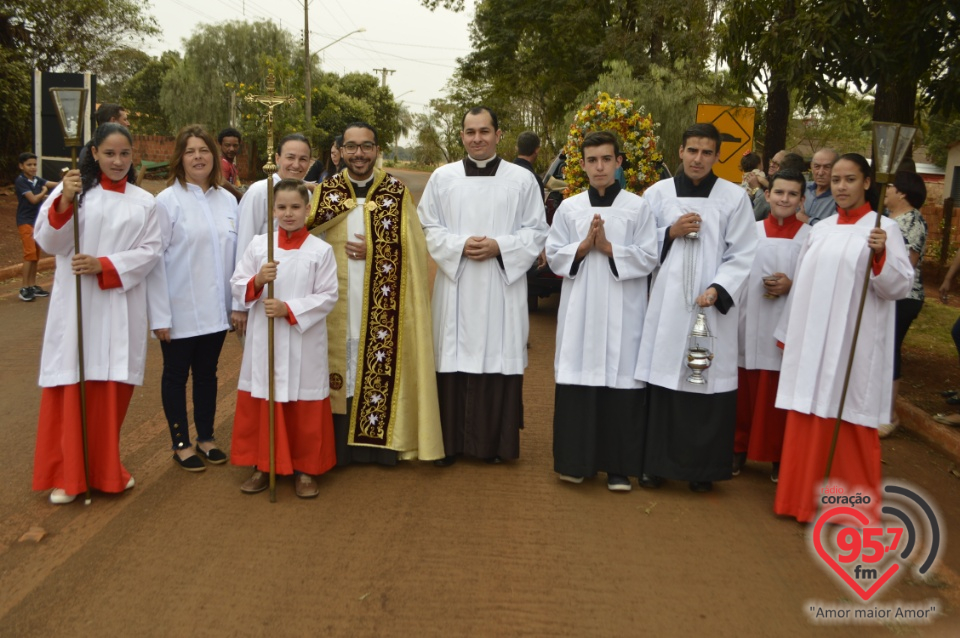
(735, 124)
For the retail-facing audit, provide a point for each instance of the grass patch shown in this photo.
(930, 332)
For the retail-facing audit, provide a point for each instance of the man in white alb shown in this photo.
(484, 223)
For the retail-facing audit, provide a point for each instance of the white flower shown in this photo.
(381, 335)
(376, 398)
(387, 223)
(333, 197)
(387, 268)
(387, 203)
(373, 418)
(385, 290)
(380, 355)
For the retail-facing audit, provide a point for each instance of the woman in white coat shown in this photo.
(817, 332)
(190, 291)
(119, 246)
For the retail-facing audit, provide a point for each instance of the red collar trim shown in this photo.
(853, 215)
(791, 226)
(292, 241)
(114, 187)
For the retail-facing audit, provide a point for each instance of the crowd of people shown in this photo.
(369, 366)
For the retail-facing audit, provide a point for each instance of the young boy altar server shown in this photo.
(760, 425)
(604, 243)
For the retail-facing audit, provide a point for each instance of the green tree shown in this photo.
(116, 69)
(438, 132)
(141, 96)
(69, 35)
(532, 59)
(844, 126)
(777, 47)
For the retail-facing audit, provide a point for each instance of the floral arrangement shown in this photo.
(638, 143)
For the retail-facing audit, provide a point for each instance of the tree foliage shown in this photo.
(76, 34)
(66, 35)
(532, 59)
(843, 126)
(140, 95)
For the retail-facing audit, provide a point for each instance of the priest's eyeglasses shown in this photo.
(352, 147)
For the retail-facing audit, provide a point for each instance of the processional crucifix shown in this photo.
(271, 101)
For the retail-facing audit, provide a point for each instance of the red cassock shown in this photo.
(760, 425)
(856, 465)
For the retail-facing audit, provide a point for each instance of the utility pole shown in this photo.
(308, 97)
(383, 75)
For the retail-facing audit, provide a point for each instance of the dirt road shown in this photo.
(414, 550)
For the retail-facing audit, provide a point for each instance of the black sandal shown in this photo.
(215, 455)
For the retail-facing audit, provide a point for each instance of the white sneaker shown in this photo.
(576, 480)
(130, 483)
(886, 429)
(60, 497)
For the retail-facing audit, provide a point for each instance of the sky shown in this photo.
(421, 46)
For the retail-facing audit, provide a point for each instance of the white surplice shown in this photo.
(189, 290)
(817, 326)
(480, 322)
(599, 323)
(760, 315)
(307, 282)
(252, 217)
(122, 227)
(722, 255)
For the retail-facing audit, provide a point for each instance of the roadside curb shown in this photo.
(944, 437)
(9, 272)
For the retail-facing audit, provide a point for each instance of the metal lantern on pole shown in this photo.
(890, 144)
(70, 104)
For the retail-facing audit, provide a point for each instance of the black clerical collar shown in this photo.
(686, 188)
(360, 189)
(481, 168)
(606, 200)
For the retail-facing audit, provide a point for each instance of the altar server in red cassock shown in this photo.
(780, 236)
(119, 246)
(817, 333)
(304, 273)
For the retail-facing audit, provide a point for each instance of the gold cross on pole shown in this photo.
(271, 101)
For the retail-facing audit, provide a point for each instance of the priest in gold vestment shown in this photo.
(383, 388)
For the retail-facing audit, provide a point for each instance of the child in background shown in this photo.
(753, 177)
(31, 191)
(304, 273)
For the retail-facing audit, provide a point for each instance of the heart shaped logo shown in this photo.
(865, 594)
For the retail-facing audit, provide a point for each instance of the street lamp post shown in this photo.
(308, 89)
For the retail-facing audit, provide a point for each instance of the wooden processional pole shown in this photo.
(271, 101)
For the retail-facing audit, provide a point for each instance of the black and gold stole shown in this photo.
(374, 399)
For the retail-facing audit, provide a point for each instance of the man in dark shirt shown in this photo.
(528, 147)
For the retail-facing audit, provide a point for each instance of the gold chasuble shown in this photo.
(395, 395)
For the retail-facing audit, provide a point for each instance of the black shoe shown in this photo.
(496, 460)
(214, 455)
(618, 483)
(948, 393)
(701, 486)
(39, 292)
(190, 464)
(775, 475)
(650, 482)
(26, 294)
(739, 460)
(446, 461)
